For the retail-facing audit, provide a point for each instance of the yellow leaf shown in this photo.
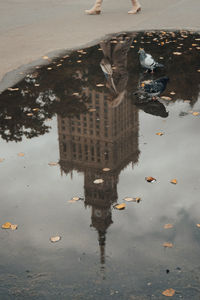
(36, 109)
(106, 169)
(120, 206)
(172, 93)
(98, 181)
(13, 226)
(177, 53)
(13, 89)
(49, 68)
(55, 239)
(174, 181)
(169, 292)
(29, 114)
(150, 179)
(6, 225)
(159, 133)
(1, 160)
(21, 154)
(99, 84)
(168, 226)
(79, 61)
(130, 199)
(198, 225)
(45, 57)
(166, 98)
(75, 94)
(53, 164)
(167, 245)
(196, 113)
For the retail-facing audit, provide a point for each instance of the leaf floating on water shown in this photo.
(196, 113)
(92, 110)
(53, 164)
(172, 93)
(1, 160)
(79, 61)
(55, 239)
(98, 181)
(169, 292)
(167, 245)
(45, 57)
(106, 169)
(168, 226)
(150, 179)
(75, 94)
(177, 53)
(13, 89)
(159, 133)
(21, 154)
(6, 225)
(174, 181)
(99, 84)
(130, 199)
(13, 226)
(198, 225)
(120, 206)
(29, 114)
(166, 98)
(36, 109)
(75, 199)
(49, 68)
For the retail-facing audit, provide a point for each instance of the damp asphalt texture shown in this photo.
(60, 127)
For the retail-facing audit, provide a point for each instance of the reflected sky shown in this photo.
(81, 111)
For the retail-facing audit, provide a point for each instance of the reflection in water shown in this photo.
(91, 92)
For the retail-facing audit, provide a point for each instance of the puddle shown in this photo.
(88, 116)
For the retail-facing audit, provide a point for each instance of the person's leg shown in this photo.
(136, 7)
(96, 9)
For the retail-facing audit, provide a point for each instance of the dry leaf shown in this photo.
(92, 110)
(21, 154)
(120, 206)
(106, 169)
(198, 225)
(196, 113)
(55, 239)
(36, 109)
(99, 84)
(1, 160)
(49, 68)
(13, 89)
(169, 293)
(172, 93)
(167, 245)
(75, 94)
(13, 226)
(150, 179)
(168, 226)
(166, 98)
(98, 181)
(36, 84)
(29, 114)
(159, 133)
(130, 199)
(45, 57)
(75, 199)
(177, 53)
(6, 225)
(59, 65)
(79, 61)
(53, 164)
(174, 181)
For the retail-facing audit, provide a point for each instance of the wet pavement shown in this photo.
(60, 127)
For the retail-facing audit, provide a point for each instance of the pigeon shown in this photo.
(152, 88)
(147, 61)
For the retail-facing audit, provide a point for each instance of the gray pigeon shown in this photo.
(152, 88)
(147, 61)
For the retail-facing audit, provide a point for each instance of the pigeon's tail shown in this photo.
(158, 65)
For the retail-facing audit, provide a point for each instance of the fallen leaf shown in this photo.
(198, 225)
(75, 94)
(37, 84)
(45, 57)
(159, 133)
(172, 93)
(120, 206)
(167, 245)
(36, 109)
(75, 199)
(166, 98)
(169, 292)
(194, 45)
(92, 110)
(174, 181)
(130, 199)
(150, 179)
(99, 84)
(168, 226)
(177, 53)
(98, 181)
(21, 154)
(1, 160)
(13, 89)
(79, 61)
(106, 169)
(6, 225)
(53, 164)
(196, 113)
(55, 239)
(29, 114)
(59, 65)
(49, 68)
(13, 226)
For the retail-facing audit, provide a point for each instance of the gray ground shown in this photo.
(30, 29)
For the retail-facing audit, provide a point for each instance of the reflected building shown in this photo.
(104, 137)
